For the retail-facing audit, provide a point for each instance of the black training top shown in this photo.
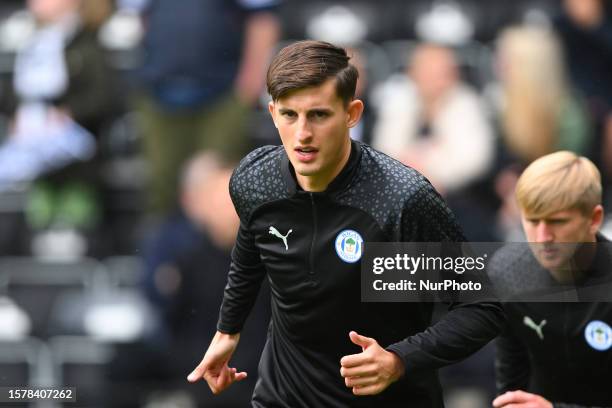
(559, 350)
(309, 245)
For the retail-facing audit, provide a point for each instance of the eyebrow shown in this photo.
(285, 110)
(556, 218)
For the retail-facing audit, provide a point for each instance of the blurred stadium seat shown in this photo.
(80, 362)
(36, 284)
(27, 363)
(124, 271)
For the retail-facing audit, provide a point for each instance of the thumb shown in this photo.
(362, 341)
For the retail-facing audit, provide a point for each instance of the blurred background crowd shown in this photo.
(121, 121)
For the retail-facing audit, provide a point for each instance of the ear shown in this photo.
(354, 111)
(272, 112)
(597, 217)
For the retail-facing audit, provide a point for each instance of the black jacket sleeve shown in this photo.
(511, 363)
(467, 326)
(465, 329)
(243, 283)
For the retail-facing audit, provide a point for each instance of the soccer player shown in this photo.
(554, 353)
(306, 208)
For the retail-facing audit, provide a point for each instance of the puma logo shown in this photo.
(536, 327)
(277, 234)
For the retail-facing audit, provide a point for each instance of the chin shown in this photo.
(548, 264)
(306, 169)
(554, 264)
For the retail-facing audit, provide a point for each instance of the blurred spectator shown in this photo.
(540, 112)
(186, 265)
(434, 122)
(585, 29)
(363, 130)
(59, 96)
(205, 67)
(206, 212)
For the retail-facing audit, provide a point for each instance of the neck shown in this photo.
(319, 182)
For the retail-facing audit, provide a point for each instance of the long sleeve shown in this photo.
(243, 283)
(467, 326)
(465, 329)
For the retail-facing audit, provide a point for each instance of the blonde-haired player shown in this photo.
(556, 353)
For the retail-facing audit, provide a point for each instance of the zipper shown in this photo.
(314, 234)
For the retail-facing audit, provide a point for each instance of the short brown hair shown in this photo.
(557, 182)
(310, 63)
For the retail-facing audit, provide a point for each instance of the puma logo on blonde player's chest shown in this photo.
(536, 327)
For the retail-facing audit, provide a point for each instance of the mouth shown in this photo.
(306, 154)
(549, 251)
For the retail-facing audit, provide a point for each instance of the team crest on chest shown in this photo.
(599, 335)
(349, 246)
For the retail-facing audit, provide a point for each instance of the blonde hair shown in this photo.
(559, 181)
(535, 89)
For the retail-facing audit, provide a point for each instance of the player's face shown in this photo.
(313, 124)
(554, 237)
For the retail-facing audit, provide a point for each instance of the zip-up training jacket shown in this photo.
(308, 245)
(559, 350)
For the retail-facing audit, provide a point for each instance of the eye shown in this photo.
(557, 221)
(289, 114)
(319, 114)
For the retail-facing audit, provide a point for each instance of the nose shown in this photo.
(544, 232)
(303, 131)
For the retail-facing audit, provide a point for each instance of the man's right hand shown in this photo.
(214, 366)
